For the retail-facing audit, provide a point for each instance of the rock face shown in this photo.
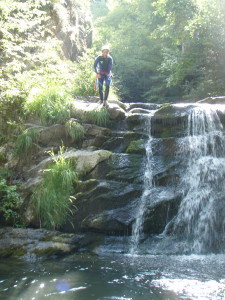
(73, 26)
(112, 161)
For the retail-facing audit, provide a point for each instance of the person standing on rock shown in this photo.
(102, 66)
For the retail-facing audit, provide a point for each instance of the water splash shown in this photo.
(137, 229)
(203, 183)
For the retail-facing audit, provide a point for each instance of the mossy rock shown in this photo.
(87, 185)
(136, 147)
(3, 158)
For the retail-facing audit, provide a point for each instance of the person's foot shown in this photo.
(105, 103)
(101, 101)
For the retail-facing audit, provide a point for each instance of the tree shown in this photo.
(166, 49)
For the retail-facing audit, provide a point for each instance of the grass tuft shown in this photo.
(26, 142)
(51, 105)
(75, 130)
(98, 117)
(52, 198)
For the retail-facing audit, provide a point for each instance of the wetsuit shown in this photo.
(103, 67)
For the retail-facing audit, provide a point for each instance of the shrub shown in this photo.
(52, 198)
(10, 201)
(85, 77)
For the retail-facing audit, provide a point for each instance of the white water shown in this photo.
(137, 227)
(203, 183)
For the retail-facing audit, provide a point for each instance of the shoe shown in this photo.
(105, 103)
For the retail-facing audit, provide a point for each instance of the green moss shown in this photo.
(19, 251)
(136, 147)
(2, 158)
(87, 185)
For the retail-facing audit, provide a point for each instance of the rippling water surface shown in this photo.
(115, 276)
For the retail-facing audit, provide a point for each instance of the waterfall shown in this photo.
(137, 228)
(203, 182)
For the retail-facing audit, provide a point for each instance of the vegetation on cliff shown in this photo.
(165, 50)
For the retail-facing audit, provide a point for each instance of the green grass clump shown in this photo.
(98, 117)
(75, 130)
(26, 142)
(52, 198)
(51, 105)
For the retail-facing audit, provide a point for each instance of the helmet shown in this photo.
(105, 47)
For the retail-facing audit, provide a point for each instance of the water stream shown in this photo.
(137, 227)
(115, 277)
(202, 183)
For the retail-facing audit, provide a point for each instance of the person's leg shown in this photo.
(107, 82)
(100, 88)
(106, 93)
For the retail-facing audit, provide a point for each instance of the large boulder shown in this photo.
(35, 244)
(108, 195)
(81, 106)
(85, 161)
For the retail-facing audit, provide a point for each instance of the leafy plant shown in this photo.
(26, 142)
(52, 198)
(10, 201)
(75, 130)
(85, 76)
(99, 116)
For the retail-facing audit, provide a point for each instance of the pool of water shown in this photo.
(115, 276)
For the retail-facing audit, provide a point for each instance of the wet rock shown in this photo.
(213, 100)
(170, 121)
(137, 121)
(139, 105)
(137, 147)
(105, 201)
(113, 222)
(40, 243)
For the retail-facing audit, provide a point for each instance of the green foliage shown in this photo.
(52, 198)
(99, 116)
(10, 201)
(166, 50)
(75, 130)
(35, 64)
(26, 142)
(51, 105)
(85, 77)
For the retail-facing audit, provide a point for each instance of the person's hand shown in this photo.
(98, 75)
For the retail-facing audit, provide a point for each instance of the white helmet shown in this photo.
(105, 47)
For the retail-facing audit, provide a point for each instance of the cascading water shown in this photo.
(199, 217)
(146, 195)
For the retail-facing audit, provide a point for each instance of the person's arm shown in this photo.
(110, 64)
(96, 64)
